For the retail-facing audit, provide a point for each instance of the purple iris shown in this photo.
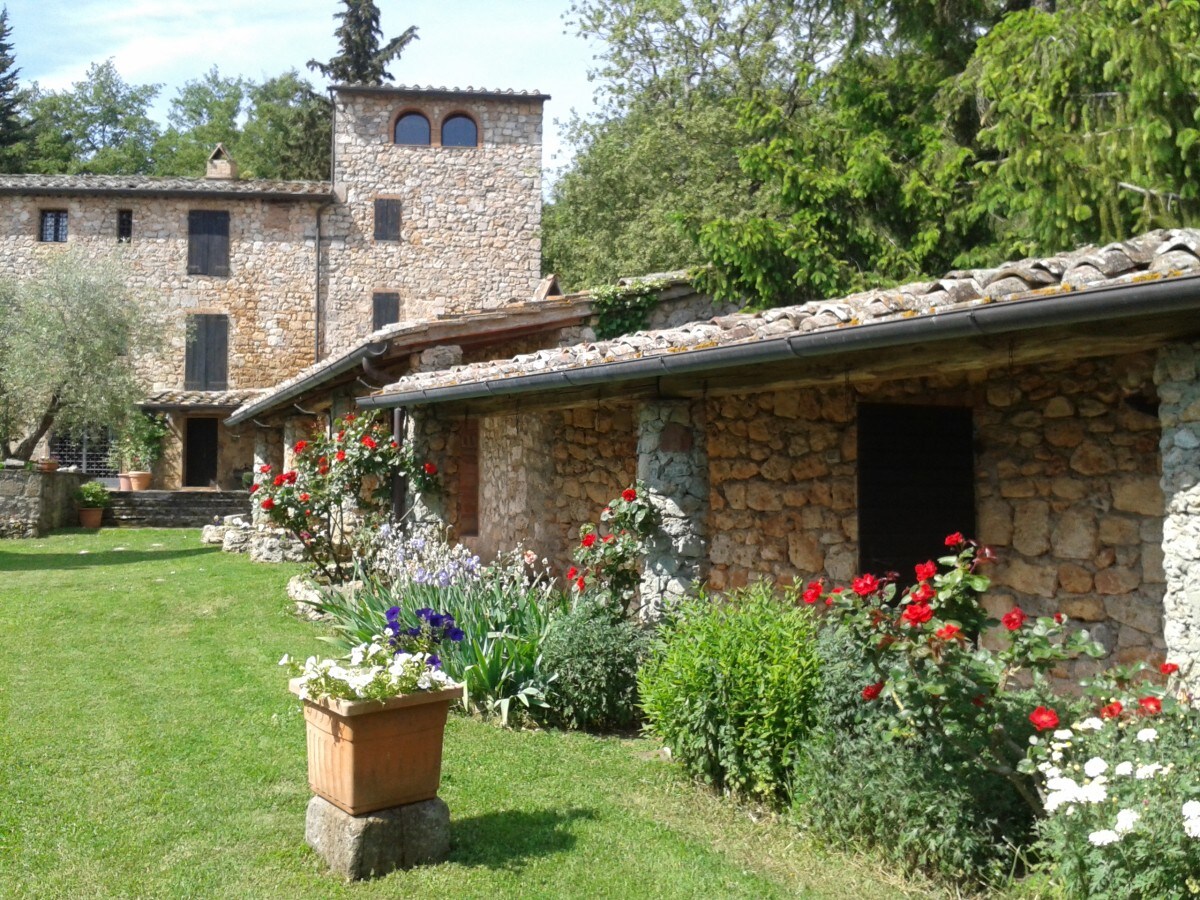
(455, 634)
(433, 661)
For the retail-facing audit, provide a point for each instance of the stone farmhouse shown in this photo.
(433, 210)
(1049, 407)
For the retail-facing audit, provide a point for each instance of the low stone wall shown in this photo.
(34, 503)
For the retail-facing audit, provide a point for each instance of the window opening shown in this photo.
(208, 242)
(54, 225)
(387, 220)
(459, 131)
(206, 360)
(385, 309)
(412, 129)
(124, 226)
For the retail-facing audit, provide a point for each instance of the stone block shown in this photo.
(806, 553)
(1118, 531)
(212, 534)
(1074, 579)
(1084, 609)
(1138, 495)
(1031, 527)
(1092, 459)
(1074, 536)
(1117, 580)
(377, 843)
(1029, 578)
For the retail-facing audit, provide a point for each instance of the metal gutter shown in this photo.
(340, 366)
(400, 90)
(1101, 304)
(167, 193)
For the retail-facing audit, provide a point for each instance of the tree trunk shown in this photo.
(24, 450)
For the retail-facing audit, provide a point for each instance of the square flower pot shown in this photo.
(367, 755)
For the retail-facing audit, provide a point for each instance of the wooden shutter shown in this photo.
(386, 310)
(206, 361)
(468, 478)
(208, 242)
(916, 484)
(387, 220)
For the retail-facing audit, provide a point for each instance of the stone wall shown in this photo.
(470, 216)
(268, 294)
(1066, 489)
(1178, 378)
(34, 503)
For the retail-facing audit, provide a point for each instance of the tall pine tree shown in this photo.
(362, 60)
(12, 128)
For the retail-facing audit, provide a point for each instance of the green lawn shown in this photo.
(149, 748)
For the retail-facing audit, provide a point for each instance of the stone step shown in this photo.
(175, 509)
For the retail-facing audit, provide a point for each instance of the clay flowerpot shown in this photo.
(123, 481)
(47, 465)
(89, 517)
(367, 755)
(138, 481)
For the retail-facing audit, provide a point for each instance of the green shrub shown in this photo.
(730, 687)
(904, 797)
(594, 658)
(92, 495)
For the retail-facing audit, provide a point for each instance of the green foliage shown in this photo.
(205, 111)
(504, 620)
(362, 60)
(138, 444)
(905, 798)
(594, 658)
(608, 563)
(624, 308)
(13, 131)
(92, 495)
(287, 130)
(69, 340)
(101, 125)
(731, 687)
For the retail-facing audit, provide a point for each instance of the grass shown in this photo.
(149, 748)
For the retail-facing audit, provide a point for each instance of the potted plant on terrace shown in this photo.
(376, 719)
(91, 499)
(138, 446)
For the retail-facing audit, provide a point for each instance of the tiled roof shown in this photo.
(1158, 254)
(202, 399)
(253, 188)
(489, 93)
(446, 329)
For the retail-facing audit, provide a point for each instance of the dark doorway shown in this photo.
(200, 453)
(916, 484)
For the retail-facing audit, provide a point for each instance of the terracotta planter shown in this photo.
(123, 481)
(367, 755)
(90, 516)
(47, 465)
(138, 481)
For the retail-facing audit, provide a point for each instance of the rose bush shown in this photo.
(607, 558)
(340, 491)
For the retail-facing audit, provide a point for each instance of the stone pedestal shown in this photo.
(374, 844)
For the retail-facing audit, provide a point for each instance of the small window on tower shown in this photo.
(124, 226)
(54, 226)
(412, 129)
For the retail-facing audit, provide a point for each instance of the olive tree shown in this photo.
(69, 338)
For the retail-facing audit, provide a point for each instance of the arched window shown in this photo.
(459, 131)
(412, 129)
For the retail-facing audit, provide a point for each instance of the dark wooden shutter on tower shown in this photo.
(468, 478)
(387, 220)
(206, 362)
(208, 242)
(386, 310)
(916, 484)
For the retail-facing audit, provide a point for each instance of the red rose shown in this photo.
(953, 540)
(299, 448)
(865, 585)
(349, 417)
(1014, 618)
(588, 539)
(812, 593)
(1112, 710)
(871, 691)
(1044, 718)
(926, 570)
(1151, 706)
(340, 435)
(947, 631)
(608, 538)
(922, 593)
(324, 470)
(430, 468)
(268, 504)
(394, 445)
(280, 480)
(253, 488)
(290, 477)
(369, 442)
(304, 498)
(1169, 668)
(264, 469)
(579, 583)
(340, 455)
(1059, 618)
(629, 495)
(917, 613)
(572, 573)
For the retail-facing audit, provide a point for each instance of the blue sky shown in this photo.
(520, 44)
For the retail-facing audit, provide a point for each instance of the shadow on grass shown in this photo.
(504, 840)
(25, 562)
